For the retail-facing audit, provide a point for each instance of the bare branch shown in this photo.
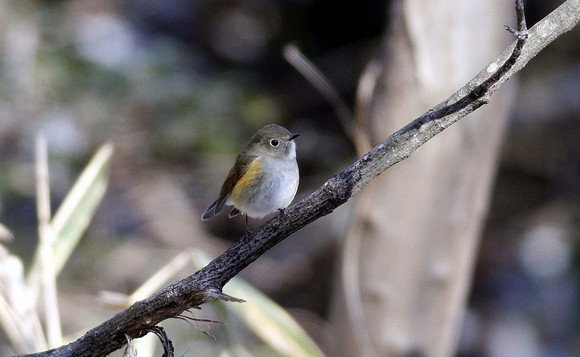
(206, 284)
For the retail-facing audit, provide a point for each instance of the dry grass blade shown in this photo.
(161, 277)
(18, 316)
(46, 241)
(267, 319)
(76, 211)
(5, 234)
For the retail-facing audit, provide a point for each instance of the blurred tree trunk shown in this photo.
(410, 248)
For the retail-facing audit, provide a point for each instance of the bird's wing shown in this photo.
(244, 162)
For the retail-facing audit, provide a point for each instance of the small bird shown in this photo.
(264, 177)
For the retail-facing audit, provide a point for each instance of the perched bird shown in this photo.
(264, 177)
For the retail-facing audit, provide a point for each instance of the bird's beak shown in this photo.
(293, 136)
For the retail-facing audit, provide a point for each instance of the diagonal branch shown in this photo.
(206, 284)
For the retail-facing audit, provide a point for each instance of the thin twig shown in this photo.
(168, 350)
(350, 124)
(319, 81)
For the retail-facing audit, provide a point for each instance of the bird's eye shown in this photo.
(274, 142)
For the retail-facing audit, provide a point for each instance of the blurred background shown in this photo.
(178, 87)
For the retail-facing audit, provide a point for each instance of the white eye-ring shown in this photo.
(274, 142)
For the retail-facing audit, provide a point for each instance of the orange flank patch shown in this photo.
(249, 179)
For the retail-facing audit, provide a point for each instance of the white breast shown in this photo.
(275, 191)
